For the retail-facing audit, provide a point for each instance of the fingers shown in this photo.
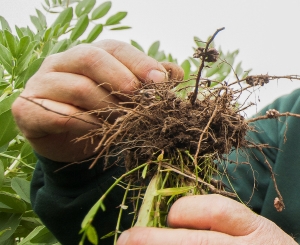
(54, 118)
(50, 132)
(120, 65)
(159, 236)
(73, 89)
(142, 66)
(215, 213)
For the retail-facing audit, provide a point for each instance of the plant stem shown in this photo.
(120, 213)
(91, 214)
(195, 93)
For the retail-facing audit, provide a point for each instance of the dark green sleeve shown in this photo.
(62, 198)
(251, 178)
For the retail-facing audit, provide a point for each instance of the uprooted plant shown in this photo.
(172, 145)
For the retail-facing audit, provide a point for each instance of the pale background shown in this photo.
(267, 33)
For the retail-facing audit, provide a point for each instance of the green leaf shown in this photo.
(10, 223)
(64, 17)
(26, 151)
(92, 235)
(120, 28)
(59, 47)
(95, 32)
(80, 27)
(19, 32)
(5, 104)
(6, 59)
(186, 66)
(4, 24)
(171, 59)
(42, 18)
(22, 188)
(48, 34)
(195, 62)
(47, 3)
(215, 68)
(101, 10)
(174, 191)
(144, 173)
(46, 48)
(35, 20)
(116, 18)
(11, 203)
(2, 39)
(144, 218)
(56, 29)
(23, 61)
(23, 45)
(153, 49)
(160, 56)
(8, 128)
(84, 7)
(63, 29)
(1, 175)
(112, 233)
(31, 235)
(92, 212)
(43, 236)
(135, 44)
(11, 42)
(238, 69)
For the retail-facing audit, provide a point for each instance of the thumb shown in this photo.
(215, 213)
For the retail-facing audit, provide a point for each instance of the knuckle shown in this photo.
(50, 61)
(21, 112)
(220, 211)
(82, 90)
(109, 44)
(129, 85)
(85, 55)
(16, 108)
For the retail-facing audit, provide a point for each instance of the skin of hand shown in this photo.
(209, 220)
(78, 80)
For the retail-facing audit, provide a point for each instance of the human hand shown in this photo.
(209, 220)
(79, 80)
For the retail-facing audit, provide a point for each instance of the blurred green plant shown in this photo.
(22, 51)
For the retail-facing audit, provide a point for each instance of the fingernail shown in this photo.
(123, 238)
(156, 76)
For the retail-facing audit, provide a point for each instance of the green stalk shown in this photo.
(120, 213)
(91, 214)
(158, 203)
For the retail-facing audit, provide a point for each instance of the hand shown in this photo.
(209, 220)
(76, 81)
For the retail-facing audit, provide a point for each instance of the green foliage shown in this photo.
(22, 52)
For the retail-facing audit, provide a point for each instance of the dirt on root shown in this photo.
(157, 121)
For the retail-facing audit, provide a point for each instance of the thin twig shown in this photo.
(285, 114)
(195, 93)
